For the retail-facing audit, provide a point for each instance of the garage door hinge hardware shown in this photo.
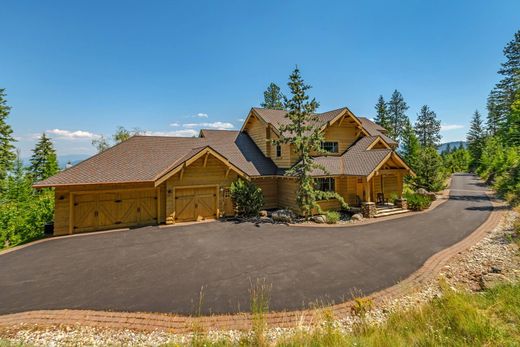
(96, 213)
(118, 222)
(138, 209)
(76, 204)
(119, 200)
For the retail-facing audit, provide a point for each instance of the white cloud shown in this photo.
(180, 133)
(240, 119)
(214, 125)
(175, 125)
(72, 135)
(448, 127)
(201, 115)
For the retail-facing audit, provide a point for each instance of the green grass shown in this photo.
(491, 318)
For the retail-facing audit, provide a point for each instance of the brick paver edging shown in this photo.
(242, 321)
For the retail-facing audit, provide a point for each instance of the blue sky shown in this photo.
(78, 69)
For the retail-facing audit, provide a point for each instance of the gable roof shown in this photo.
(376, 130)
(147, 158)
(359, 160)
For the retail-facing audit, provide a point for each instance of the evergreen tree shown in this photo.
(428, 127)
(476, 137)
(273, 98)
(18, 186)
(495, 116)
(396, 115)
(304, 135)
(429, 170)
(510, 69)
(381, 117)
(44, 162)
(7, 155)
(410, 146)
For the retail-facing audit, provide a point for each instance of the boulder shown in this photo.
(262, 213)
(283, 216)
(357, 216)
(319, 219)
(421, 191)
(491, 280)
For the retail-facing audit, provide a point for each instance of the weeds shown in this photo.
(260, 293)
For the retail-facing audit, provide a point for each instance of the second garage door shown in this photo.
(110, 210)
(195, 203)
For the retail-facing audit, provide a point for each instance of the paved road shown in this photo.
(163, 269)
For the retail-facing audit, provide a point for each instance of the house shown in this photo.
(164, 180)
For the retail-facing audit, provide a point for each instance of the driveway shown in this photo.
(163, 269)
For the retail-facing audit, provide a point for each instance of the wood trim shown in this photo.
(71, 213)
(78, 192)
(379, 165)
(65, 185)
(376, 141)
(401, 161)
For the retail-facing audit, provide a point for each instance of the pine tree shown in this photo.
(396, 114)
(496, 115)
(273, 98)
(410, 146)
(428, 127)
(7, 155)
(381, 117)
(44, 162)
(429, 170)
(304, 135)
(510, 69)
(476, 137)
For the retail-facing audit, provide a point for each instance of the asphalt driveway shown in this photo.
(163, 269)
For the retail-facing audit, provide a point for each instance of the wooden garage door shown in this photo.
(110, 210)
(390, 185)
(195, 203)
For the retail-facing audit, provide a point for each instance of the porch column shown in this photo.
(368, 194)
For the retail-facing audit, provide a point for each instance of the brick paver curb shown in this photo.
(242, 321)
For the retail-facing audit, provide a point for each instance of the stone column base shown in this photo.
(402, 203)
(368, 209)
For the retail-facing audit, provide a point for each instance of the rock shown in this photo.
(262, 213)
(432, 196)
(320, 219)
(357, 216)
(491, 280)
(266, 220)
(421, 191)
(496, 270)
(284, 216)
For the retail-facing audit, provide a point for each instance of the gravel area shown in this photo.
(493, 260)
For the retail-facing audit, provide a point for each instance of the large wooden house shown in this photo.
(164, 180)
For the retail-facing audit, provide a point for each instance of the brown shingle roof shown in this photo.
(356, 161)
(277, 117)
(147, 158)
(376, 130)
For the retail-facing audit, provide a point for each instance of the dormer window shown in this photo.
(278, 151)
(329, 146)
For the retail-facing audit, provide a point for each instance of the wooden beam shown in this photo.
(158, 189)
(206, 159)
(227, 171)
(182, 173)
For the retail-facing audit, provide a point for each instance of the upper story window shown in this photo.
(326, 184)
(329, 146)
(278, 151)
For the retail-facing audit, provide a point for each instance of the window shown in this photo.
(278, 151)
(329, 146)
(325, 184)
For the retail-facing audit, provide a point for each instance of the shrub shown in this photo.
(332, 217)
(247, 198)
(418, 202)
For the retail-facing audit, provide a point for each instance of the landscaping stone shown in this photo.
(320, 219)
(368, 209)
(431, 195)
(262, 213)
(283, 216)
(491, 280)
(357, 217)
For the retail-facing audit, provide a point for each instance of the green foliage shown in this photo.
(382, 117)
(429, 170)
(417, 202)
(397, 115)
(304, 135)
(7, 155)
(24, 211)
(457, 160)
(428, 127)
(101, 143)
(273, 98)
(475, 138)
(122, 134)
(247, 198)
(410, 146)
(44, 162)
(332, 217)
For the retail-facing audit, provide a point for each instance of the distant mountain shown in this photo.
(454, 144)
(73, 158)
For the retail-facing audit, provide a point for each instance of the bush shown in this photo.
(332, 217)
(247, 198)
(417, 202)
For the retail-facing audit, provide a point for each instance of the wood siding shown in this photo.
(258, 133)
(287, 188)
(269, 188)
